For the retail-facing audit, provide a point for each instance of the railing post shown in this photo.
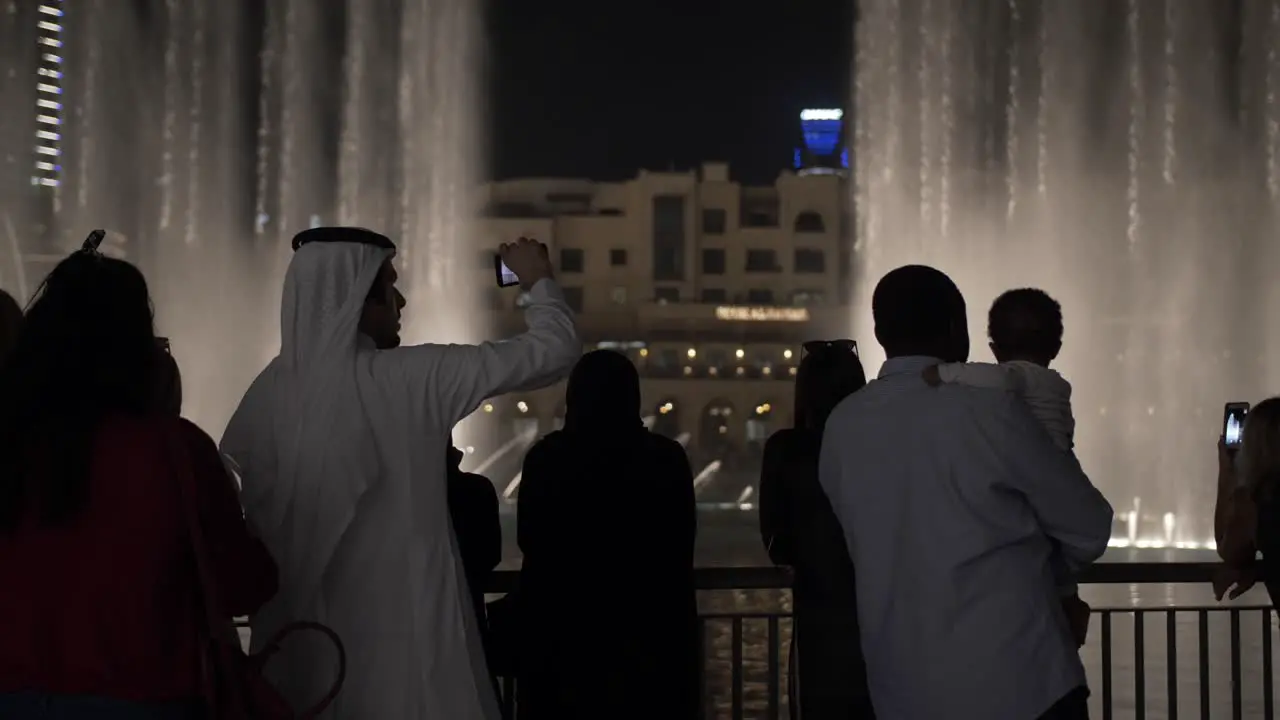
(1106, 665)
(1268, 702)
(1237, 706)
(1203, 618)
(774, 640)
(1139, 664)
(1171, 650)
(736, 670)
(704, 697)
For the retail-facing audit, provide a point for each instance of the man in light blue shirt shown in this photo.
(951, 499)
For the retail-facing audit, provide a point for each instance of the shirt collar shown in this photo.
(907, 364)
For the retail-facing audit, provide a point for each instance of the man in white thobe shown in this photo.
(340, 446)
(951, 499)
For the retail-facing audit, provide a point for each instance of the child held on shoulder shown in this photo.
(1025, 327)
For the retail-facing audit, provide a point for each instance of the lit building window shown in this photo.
(48, 165)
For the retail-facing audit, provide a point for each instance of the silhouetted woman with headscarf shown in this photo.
(607, 523)
(800, 530)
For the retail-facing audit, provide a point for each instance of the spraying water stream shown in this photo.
(209, 132)
(1114, 154)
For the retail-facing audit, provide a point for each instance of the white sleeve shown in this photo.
(983, 375)
(1057, 419)
(1070, 509)
(454, 379)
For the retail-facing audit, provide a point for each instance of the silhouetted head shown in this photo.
(603, 393)
(87, 351)
(919, 311)
(10, 322)
(1259, 457)
(1025, 324)
(380, 316)
(829, 372)
(168, 384)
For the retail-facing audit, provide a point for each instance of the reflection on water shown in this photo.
(730, 539)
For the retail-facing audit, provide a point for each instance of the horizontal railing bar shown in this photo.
(1098, 609)
(776, 578)
(773, 578)
(1131, 610)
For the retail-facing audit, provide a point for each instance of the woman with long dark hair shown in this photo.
(801, 531)
(101, 609)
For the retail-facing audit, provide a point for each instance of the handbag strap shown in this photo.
(180, 462)
(179, 459)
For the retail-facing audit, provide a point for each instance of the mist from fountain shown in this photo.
(1123, 156)
(211, 131)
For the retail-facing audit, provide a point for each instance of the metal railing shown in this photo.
(1145, 663)
(1190, 661)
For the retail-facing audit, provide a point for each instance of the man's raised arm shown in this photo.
(1070, 509)
(454, 379)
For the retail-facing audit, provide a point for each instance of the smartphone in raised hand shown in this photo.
(505, 277)
(1233, 416)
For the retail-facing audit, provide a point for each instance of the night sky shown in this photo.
(586, 89)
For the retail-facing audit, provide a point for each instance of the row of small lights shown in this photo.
(692, 353)
(740, 354)
(49, 96)
(761, 409)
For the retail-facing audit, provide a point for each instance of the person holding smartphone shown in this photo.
(1246, 517)
(341, 449)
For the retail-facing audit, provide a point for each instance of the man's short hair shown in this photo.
(1026, 323)
(914, 307)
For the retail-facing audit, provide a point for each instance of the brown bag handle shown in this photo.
(180, 460)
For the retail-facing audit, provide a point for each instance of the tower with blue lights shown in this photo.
(821, 131)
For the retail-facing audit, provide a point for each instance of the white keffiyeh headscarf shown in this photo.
(302, 426)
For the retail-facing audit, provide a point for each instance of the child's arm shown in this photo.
(986, 375)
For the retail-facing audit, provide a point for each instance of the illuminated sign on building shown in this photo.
(816, 115)
(49, 96)
(821, 131)
(762, 314)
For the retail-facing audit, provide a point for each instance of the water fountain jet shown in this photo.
(208, 139)
(1117, 155)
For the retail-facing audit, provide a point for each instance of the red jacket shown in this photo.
(108, 603)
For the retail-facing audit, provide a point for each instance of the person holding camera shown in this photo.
(1246, 516)
(340, 444)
